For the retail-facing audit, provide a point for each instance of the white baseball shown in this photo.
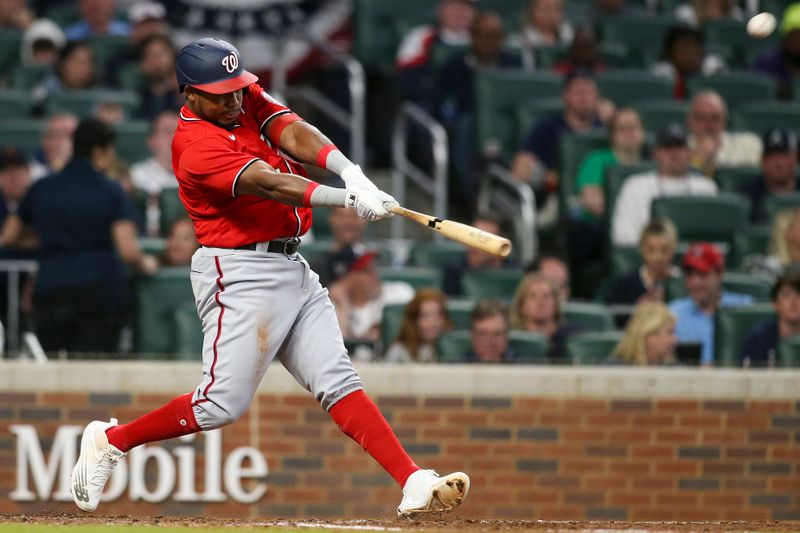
(761, 25)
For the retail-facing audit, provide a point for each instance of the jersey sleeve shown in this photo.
(262, 106)
(211, 164)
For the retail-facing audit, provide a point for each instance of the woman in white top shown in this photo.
(424, 320)
(544, 25)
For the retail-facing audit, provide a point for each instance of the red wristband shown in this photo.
(322, 155)
(307, 195)
(279, 124)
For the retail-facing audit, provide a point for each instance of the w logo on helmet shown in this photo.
(230, 62)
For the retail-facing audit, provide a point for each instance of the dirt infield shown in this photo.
(440, 523)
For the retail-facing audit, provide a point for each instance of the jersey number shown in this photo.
(230, 62)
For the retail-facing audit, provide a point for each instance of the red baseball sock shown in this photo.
(359, 418)
(172, 420)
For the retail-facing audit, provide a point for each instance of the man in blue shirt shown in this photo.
(761, 344)
(97, 19)
(703, 266)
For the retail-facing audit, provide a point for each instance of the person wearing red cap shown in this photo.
(703, 267)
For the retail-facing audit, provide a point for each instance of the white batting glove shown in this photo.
(354, 177)
(367, 204)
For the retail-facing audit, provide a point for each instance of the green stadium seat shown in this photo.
(26, 77)
(157, 298)
(732, 327)
(130, 78)
(417, 277)
(509, 10)
(616, 176)
(10, 42)
(762, 116)
(188, 341)
(460, 310)
(732, 34)
(626, 87)
(624, 259)
(547, 56)
(592, 348)
(752, 240)
(531, 112)
(436, 254)
(83, 103)
(573, 148)
(153, 245)
(498, 94)
(642, 35)
(775, 204)
(132, 140)
(497, 284)
(15, 103)
(738, 282)
(617, 56)
(108, 47)
(528, 347)
(704, 218)
(315, 252)
(656, 114)
(734, 178)
(789, 352)
(24, 134)
(171, 208)
(589, 316)
(320, 225)
(737, 88)
(453, 346)
(390, 323)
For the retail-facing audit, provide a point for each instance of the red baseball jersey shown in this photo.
(208, 159)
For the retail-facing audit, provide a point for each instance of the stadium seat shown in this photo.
(132, 141)
(483, 284)
(531, 112)
(130, 78)
(624, 259)
(752, 240)
(734, 178)
(547, 56)
(24, 134)
(789, 352)
(417, 277)
(15, 103)
(730, 33)
(314, 252)
(656, 114)
(626, 87)
(26, 77)
(592, 348)
(188, 341)
(498, 94)
(10, 42)
(436, 254)
(108, 47)
(775, 204)
(704, 218)
(738, 282)
(737, 88)
(153, 245)
(587, 315)
(171, 208)
(762, 116)
(83, 103)
(642, 35)
(390, 323)
(616, 176)
(319, 223)
(453, 346)
(573, 147)
(157, 298)
(528, 347)
(460, 310)
(732, 327)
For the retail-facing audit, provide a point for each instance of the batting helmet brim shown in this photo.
(229, 85)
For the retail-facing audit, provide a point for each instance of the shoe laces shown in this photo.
(104, 468)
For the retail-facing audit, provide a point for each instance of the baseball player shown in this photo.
(236, 154)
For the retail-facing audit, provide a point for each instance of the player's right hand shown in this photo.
(367, 204)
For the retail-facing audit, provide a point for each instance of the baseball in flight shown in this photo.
(761, 25)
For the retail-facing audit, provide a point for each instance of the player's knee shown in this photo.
(215, 416)
(328, 398)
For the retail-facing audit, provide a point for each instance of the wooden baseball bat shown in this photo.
(455, 231)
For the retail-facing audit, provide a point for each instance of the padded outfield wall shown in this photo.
(538, 442)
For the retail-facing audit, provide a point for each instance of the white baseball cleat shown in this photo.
(426, 492)
(95, 464)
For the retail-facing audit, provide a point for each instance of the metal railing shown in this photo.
(503, 193)
(13, 268)
(404, 169)
(353, 120)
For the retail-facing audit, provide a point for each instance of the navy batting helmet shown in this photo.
(212, 65)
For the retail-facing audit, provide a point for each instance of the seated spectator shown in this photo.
(84, 224)
(146, 18)
(646, 284)
(598, 11)
(698, 12)
(15, 179)
(703, 268)
(41, 43)
(761, 344)
(112, 113)
(157, 63)
(537, 160)
(671, 178)
(783, 62)
(15, 15)
(55, 148)
(627, 140)
(181, 244)
(97, 19)
(544, 25)
(74, 71)
(555, 268)
(713, 147)
(348, 233)
(649, 338)
(488, 326)
(473, 259)
(536, 307)
(784, 246)
(583, 54)
(424, 320)
(778, 172)
(413, 63)
(360, 296)
(683, 57)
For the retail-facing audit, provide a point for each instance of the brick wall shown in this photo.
(528, 457)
